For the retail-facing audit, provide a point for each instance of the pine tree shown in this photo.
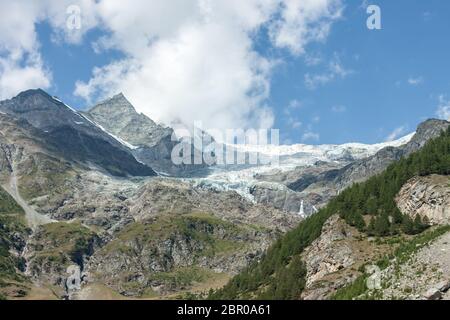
(382, 225)
(408, 225)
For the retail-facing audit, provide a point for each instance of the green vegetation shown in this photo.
(356, 289)
(182, 277)
(215, 235)
(359, 290)
(404, 251)
(44, 175)
(291, 282)
(375, 198)
(8, 206)
(190, 238)
(12, 224)
(64, 242)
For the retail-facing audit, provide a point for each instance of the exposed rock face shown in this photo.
(329, 253)
(333, 260)
(155, 231)
(71, 135)
(428, 197)
(285, 190)
(157, 252)
(426, 131)
(119, 117)
(153, 143)
(364, 169)
(425, 276)
(55, 248)
(177, 197)
(361, 170)
(26, 154)
(283, 198)
(163, 235)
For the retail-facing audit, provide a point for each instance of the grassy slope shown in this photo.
(359, 290)
(212, 237)
(12, 221)
(63, 243)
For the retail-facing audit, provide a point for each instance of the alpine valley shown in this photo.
(92, 207)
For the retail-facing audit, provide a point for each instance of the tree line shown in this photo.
(280, 274)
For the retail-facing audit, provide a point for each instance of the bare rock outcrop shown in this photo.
(329, 253)
(428, 197)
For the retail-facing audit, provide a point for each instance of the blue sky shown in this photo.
(376, 98)
(355, 85)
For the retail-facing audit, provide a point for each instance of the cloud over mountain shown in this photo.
(184, 59)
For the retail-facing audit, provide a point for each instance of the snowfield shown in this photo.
(290, 157)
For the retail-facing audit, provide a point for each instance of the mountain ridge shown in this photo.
(169, 236)
(57, 121)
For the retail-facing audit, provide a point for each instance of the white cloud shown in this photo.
(291, 111)
(335, 70)
(313, 59)
(184, 59)
(21, 64)
(200, 63)
(294, 123)
(302, 21)
(415, 81)
(396, 133)
(339, 109)
(317, 80)
(292, 106)
(443, 111)
(295, 104)
(310, 136)
(23, 74)
(364, 4)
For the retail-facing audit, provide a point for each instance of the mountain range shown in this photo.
(96, 191)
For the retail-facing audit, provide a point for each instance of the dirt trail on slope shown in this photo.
(34, 218)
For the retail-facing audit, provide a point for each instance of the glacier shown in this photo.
(242, 179)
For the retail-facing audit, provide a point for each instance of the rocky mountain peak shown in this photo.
(33, 92)
(29, 100)
(118, 116)
(427, 130)
(74, 136)
(117, 104)
(430, 124)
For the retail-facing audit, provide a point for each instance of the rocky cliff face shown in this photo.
(155, 236)
(342, 254)
(119, 117)
(360, 170)
(170, 253)
(329, 253)
(424, 275)
(53, 249)
(151, 143)
(333, 259)
(427, 197)
(364, 169)
(26, 155)
(72, 135)
(169, 195)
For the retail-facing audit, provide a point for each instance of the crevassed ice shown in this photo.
(241, 180)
